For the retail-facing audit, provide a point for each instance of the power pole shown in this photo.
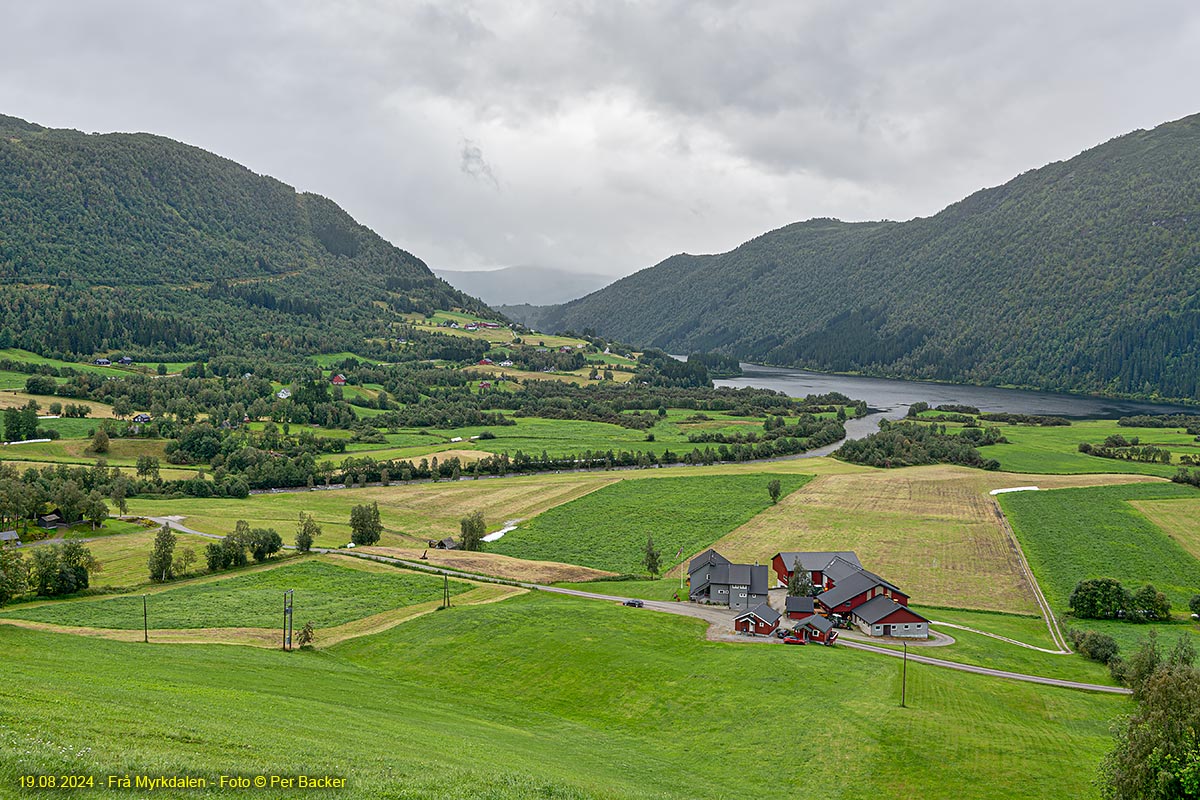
(446, 591)
(145, 621)
(904, 680)
(287, 619)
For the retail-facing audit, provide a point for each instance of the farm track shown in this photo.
(719, 616)
(1056, 634)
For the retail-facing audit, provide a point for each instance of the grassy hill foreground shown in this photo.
(543, 697)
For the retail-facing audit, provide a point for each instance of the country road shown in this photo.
(720, 616)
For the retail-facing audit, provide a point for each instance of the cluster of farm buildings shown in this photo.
(844, 593)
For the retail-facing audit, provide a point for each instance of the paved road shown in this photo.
(995, 673)
(173, 522)
(722, 616)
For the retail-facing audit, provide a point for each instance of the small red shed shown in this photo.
(759, 621)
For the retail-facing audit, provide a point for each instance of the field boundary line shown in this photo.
(1002, 638)
(1056, 635)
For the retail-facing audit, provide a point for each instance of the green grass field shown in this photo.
(1072, 534)
(607, 529)
(325, 594)
(544, 697)
(1055, 450)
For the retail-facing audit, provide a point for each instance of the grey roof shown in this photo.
(763, 612)
(708, 558)
(758, 579)
(816, 622)
(799, 605)
(879, 607)
(817, 560)
(841, 568)
(847, 588)
(9, 536)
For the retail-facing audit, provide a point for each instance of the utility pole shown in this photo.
(145, 621)
(287, 619)
(446, 591)
(904, 680)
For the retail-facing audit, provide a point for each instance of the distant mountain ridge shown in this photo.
(1083, 275)
(139, 242)
(524, 285)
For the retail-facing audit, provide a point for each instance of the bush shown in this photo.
(1095, 646)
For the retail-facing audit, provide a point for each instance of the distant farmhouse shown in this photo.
(714, 579)
(283, 394)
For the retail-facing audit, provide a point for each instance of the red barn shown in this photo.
(760, 621)
(338, 380)
(815, 563)
(485, 362)
(856, 590)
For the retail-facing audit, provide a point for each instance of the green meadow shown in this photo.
(544, 697)
(325, 594)
(1055, 450)
(607, 529)
(1072, 534)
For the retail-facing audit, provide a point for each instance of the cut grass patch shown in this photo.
(608, 529)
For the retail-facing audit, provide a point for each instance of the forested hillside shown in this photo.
(1083, 275)
(146, 245)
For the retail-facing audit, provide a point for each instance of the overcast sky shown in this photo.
(605, 136)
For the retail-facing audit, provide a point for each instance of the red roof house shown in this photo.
(338, 380)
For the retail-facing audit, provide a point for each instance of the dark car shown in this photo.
(634, 604)
(782, 633)
(794, 640)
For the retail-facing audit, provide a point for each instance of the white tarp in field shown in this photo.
(1014, 489)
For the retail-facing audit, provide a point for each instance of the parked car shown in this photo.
(782, 633)
(634, 604)
(793, 640)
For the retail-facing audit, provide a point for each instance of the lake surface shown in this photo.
(893, 397)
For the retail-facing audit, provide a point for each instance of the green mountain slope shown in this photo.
(1083, 275)
(141, 243)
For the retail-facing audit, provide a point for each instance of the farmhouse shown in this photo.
(102, 362)
(485, 384)
(141, 419)
(815, 628)
(506, 363)
(283, 394)
(125, 360)
(761, 621)
(712, 578)
(338, 380)
(485, 362)
(813, 563)
(9, 537)
(444, 544)
(883, 616)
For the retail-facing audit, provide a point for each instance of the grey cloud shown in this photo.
(626, 131)
(473, 164)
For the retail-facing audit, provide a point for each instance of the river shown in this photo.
(890, 399)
